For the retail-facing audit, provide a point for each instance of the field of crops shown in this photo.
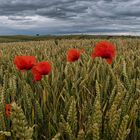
(88, 99)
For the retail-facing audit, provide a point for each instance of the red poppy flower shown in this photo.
(8, 109)
(73, 55)
(105, 50)
(24, 62)
(41, 68)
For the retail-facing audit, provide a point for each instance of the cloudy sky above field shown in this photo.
(69, 16)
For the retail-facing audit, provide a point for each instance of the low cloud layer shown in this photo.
(69, 16)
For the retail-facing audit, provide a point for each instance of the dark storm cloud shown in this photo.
(69, 16)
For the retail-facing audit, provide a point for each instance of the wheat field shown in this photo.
(85, 100)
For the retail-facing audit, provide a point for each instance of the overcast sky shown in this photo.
(69, 16)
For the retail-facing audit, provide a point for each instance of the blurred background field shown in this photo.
(37, 37)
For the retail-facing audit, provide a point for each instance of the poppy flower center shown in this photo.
(75, 57)
(106, 55)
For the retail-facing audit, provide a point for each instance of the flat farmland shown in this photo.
(87, 99)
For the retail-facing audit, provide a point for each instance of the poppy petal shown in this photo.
(106, 50)
(73, 55)
(109, 61)
(24, 62)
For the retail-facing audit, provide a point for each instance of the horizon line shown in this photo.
(65, 34)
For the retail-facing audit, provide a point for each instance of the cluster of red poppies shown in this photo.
(102, 49)
(29, 63)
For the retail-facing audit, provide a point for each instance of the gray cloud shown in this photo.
(69, 16)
